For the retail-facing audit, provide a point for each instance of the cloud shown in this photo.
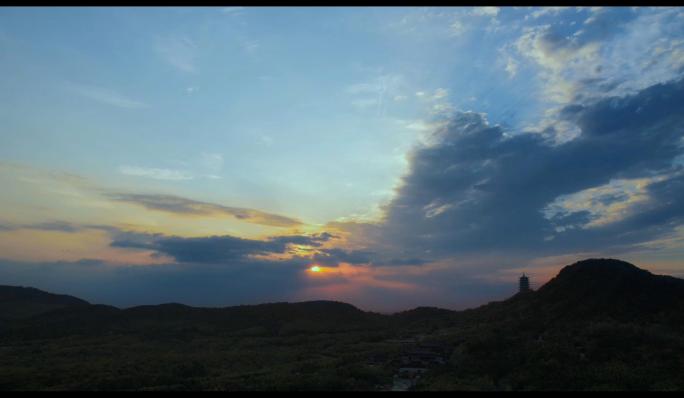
(233, 11)
(332, 257)
(183, 206)
(206, 165)
(214, 249)
(475, 188)
(511, 67)
(457, 28)
(179, 51)
(211, 164)
(440, 93)
(614, 51)
(547, 11)
(365, 103)
(485, 11)
(58, 226)
(157, 174)
(335, 256)
(378, 92)
(602, 205)
(105, 96)
(552, 47)
(249, 45)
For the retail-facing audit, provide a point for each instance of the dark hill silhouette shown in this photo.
(583, 290)
(424, 317)
(592, 289)
(59, 319)
(586, 289)
(20, 302)
(598, 324)
(608, 287)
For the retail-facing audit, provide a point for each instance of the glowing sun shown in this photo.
(315, 268)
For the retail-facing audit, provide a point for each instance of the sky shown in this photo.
(388, 157)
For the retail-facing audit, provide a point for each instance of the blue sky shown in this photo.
(443, 149)
(264, 93)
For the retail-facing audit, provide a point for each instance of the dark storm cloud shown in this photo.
(228, 249)
(213, 249)
(314, 240)
(335, 256)
(405, 261)
(571, 220)
(476, 188)
(133, 240)
(184, 206)
(332, 257)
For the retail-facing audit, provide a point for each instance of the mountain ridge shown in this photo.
(615, 276)
(599, 324)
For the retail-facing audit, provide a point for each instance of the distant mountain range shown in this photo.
(599, 324)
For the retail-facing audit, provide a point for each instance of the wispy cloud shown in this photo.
(375, 93)
(546, 11)
(157, 174)
(212, 163)
(249, 45)
(233, 11)
(485, 11)
(189, 207)
(105, 96)
(207, 165)
(55, 226)
(179, 52)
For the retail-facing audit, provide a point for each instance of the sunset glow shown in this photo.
(396, 156)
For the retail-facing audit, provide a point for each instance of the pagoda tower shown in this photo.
(524, 284)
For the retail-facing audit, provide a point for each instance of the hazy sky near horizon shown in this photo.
(417, 156)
